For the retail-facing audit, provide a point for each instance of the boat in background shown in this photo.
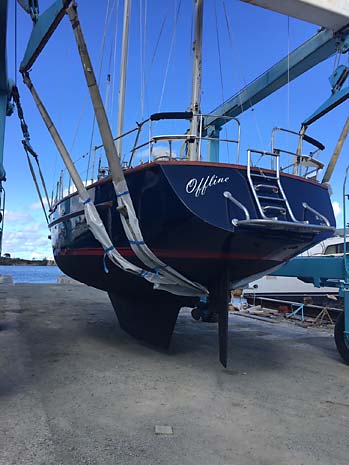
(286, 288)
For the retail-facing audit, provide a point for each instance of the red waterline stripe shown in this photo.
(127, 252)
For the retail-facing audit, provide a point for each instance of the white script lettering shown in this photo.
(199, 187)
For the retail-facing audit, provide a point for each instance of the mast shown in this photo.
(197, 71)
(123, 69)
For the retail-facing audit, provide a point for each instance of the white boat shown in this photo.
(294, 289)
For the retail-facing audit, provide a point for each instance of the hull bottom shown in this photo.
(150, 318)
(150, 315)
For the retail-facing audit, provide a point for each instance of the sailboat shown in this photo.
(160, 234)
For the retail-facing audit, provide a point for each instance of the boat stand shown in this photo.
(321, 316)
(295, 312)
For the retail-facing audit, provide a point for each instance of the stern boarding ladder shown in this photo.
(273, 208)
(267, 190)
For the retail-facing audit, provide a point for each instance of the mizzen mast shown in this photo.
(123, 70)
(197, 75)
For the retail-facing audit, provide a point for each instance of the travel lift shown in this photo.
(333, 39)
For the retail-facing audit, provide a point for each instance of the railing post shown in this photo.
(213, 145)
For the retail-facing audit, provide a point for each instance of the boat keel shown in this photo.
(150, 318)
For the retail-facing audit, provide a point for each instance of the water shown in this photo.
(32, 274)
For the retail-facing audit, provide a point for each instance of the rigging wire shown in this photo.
(230, 34)
(109, 77)
(219, 53)
(141, 54)
(42, 202)
(221, 72)
(107, 92)
(114, 62)
(288, 74)
(85, 102)
(157, 42)
(145, 47)
(142, 49)
(227, 22)
(15, 63)
(141, 62)
(30, 151)
(108, 89)
(160, 34)
(170, 53)
(98, 81)
(78, 123)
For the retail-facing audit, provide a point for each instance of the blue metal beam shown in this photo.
(43, 28)
(4, 90)
(317, 49)
(31, 7)
(3, 107)
(318, 269)
(333, 101)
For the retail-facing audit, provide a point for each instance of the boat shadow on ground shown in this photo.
(254, 348)
(195, 342)
(325, 345)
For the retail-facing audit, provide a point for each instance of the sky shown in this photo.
(240, 42)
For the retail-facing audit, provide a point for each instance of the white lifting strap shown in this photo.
(158, 275)
(175, 280)
(132, 230)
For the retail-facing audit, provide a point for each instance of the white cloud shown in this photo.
(38, 206)
(336, 208)
(32, 227)
(17, 216)
(67, 190)
(28, 241)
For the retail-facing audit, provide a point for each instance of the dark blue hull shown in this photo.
(187, 222)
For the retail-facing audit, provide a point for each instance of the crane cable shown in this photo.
(157, 42)
(142, 49)
(170, 53)
(106, 21)
(288, 74)
(30, 151)
(114, 61)
(26, 137)
(240, 67)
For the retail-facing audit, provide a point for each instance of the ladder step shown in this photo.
(272, 207)
(271, 187)
(264, 176)
(274, 199)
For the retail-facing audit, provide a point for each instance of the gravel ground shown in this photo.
(75, 389)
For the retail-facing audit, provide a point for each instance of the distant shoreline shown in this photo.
(21, 261)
